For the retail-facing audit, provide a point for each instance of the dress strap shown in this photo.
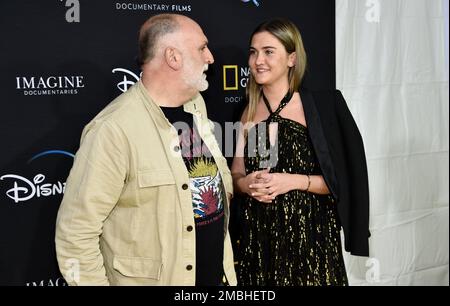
(283, 103)
(267, 103)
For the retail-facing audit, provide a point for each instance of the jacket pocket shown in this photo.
(157, 177)
(156, 194)
(138, 267)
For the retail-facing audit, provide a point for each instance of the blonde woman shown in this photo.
(301, 167)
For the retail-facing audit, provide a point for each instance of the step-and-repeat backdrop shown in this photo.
(62, 61)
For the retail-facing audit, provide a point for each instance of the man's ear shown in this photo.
(173, 58)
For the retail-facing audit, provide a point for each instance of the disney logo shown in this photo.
(255, 2)
(126, 83)
(24, 189)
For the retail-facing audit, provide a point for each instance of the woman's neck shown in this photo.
(275, 93)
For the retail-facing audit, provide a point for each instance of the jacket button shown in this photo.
(189, 267)
(176, 148)
(185, 186)
(189, 228)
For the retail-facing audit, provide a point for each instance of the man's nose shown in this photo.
(209, 57)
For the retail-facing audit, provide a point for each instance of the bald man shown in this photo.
(147, 199)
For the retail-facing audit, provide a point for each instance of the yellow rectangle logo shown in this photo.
(228, 84)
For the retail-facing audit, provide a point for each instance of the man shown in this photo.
(146, 202)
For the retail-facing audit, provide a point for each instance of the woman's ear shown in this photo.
(292, 60)
(173, 58)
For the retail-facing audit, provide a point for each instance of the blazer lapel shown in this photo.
(319, 141)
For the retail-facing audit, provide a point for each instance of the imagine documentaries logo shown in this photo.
(50, 85)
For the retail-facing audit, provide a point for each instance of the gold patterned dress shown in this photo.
(294, 241)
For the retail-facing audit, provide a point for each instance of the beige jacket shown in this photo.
(127, 207)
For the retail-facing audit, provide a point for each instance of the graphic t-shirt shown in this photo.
(208, 197)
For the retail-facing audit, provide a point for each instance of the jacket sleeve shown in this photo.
(357, 179)
(93, 188)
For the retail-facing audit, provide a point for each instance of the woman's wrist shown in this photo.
(295, 182)
(308, 183)
(242, 188)
(303, 182)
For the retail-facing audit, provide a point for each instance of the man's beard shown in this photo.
(193, 79)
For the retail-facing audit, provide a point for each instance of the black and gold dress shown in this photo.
(295, 240)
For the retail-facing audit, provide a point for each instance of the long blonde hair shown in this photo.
(289, 36)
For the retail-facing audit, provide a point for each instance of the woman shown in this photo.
(300, 164)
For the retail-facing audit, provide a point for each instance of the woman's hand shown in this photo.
(265, 187)
(271, 185)
(251, 179)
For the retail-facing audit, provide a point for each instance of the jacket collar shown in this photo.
(157, 113)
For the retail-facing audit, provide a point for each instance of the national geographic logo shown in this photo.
(234, 77)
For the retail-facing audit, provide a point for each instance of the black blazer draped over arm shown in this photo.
(340, 152)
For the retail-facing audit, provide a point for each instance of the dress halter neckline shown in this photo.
(282, 104)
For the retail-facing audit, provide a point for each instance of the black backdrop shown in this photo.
(61, 61)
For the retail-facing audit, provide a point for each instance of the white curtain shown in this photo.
(392, 68)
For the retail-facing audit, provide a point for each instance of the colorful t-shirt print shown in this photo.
(208, 198)
(205, 180)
